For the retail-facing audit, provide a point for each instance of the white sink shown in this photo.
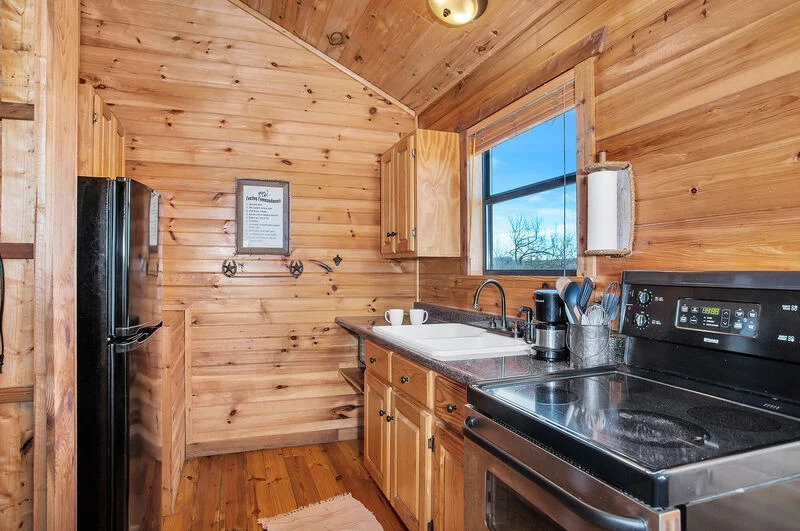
(452, 341)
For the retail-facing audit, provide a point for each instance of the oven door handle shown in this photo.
(587, 512)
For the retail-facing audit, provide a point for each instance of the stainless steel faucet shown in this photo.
(503, 320)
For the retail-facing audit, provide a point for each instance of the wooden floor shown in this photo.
(232, 491)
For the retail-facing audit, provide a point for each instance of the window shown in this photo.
(529, 192)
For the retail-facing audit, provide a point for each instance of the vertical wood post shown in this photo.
(55, 400)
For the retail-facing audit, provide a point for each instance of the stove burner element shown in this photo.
(653, 429)
(554, 393)
(734, 418)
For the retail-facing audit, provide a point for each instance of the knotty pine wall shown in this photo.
(17, 225)
(703, 97)
(206, 94)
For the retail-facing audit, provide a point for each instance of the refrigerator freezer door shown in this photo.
(140, 288)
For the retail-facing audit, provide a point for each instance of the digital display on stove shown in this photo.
(722, 317)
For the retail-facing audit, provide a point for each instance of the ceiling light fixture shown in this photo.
(457, 12)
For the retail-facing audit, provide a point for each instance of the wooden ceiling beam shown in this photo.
(288, 34)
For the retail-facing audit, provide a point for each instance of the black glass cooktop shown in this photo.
(655, 425)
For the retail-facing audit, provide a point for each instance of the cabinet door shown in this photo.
(405, 195)
(387, 203)
(377, 398)
(448, 481)
(411, 462)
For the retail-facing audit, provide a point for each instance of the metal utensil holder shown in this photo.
(588, 345)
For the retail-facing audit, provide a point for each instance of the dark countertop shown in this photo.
(464, 371)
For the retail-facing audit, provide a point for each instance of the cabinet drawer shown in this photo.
(413, 380)
(449, 402)
(377, 360)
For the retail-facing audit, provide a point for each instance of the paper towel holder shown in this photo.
(625, 205)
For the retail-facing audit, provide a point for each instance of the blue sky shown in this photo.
(535, 155)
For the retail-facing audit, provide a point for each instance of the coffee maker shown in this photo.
(548, 330)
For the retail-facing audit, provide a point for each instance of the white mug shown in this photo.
(418, 317)
(394, 316)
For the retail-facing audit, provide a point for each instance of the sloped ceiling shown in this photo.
(397, 44)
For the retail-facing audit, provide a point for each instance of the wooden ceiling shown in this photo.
(397, 44)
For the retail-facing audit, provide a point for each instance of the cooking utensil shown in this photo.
(571, 301)
(561, 286)
(594, 315)
(611, 299)
(587, 286)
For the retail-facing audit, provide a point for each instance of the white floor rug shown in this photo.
(339, 513)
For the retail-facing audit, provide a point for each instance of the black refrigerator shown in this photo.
(118, 355)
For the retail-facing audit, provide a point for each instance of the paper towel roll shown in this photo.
(601, 211)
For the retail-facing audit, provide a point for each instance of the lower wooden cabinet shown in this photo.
(377, 408)
(448, 480)
(420, 472)
(411, 461)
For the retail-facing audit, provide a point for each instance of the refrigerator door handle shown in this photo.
(134, 330)
(128, 343)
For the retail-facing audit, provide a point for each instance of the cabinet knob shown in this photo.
(390, 234)
(373, 360)
(403, 379)
(451, 408)
(389, 418)
(381, 413)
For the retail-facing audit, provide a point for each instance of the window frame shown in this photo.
(488, 200)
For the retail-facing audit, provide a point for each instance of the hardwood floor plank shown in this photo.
(279, 488)
(206, 507)
(233, 495)
(323, 472)
(181, 519)
(303, 486)
(256, 490)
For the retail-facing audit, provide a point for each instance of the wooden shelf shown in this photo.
(354, 376)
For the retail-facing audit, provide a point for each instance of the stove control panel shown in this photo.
(722, 317)
(757, 314)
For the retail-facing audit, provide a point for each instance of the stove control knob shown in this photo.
(641, 320)
(645, 297)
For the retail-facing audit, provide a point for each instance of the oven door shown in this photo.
(540, 491)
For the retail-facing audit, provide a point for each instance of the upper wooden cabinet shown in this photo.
(101, 139)
(420, 196)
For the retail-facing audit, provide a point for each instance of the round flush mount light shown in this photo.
(457, 12)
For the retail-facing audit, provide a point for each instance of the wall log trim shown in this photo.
(10, 395)
(16, 111)
(16, 251)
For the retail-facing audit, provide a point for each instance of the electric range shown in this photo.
(702, 419)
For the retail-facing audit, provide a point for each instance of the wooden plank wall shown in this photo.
(17, 225)
(206, 94)
(704, 99)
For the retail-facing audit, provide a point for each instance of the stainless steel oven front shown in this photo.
(511, 483)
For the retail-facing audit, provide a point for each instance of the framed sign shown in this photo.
(262, 217)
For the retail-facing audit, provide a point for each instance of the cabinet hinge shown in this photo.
(430, 443)
(430, 525)
(414, 232)
(413, 153)
(94, 117)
